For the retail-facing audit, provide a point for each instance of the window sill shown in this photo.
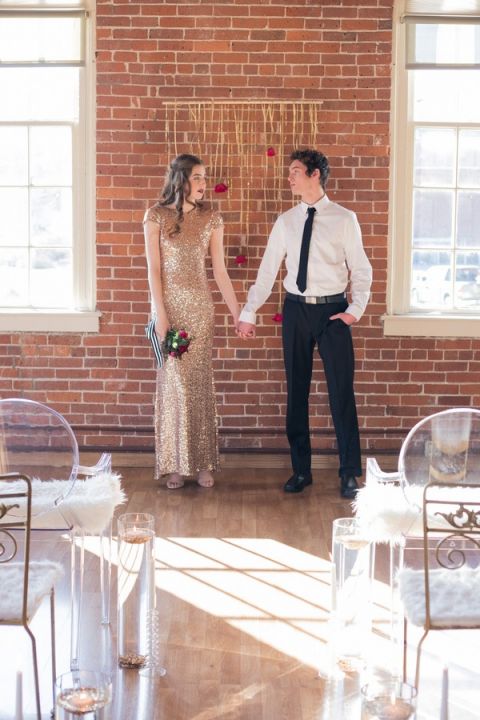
(49, 320)
(432, 325)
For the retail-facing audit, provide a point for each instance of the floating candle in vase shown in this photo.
(82, 694)
(137, 536)
(391, 701)
(79, 700)
(382, 708)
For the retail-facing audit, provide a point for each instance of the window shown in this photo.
(47, 261)
(434, 253)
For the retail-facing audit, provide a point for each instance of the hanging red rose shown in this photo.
(241, 259)
(278, 317)
(221, 187)
(271, 152)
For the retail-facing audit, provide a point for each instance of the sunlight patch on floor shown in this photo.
(272, 592)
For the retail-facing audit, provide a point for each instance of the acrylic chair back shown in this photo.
(38, 441)
(442, 454)
(66, 496)
(442, 447)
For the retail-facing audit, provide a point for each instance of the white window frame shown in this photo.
(399, 319)
(84, 317)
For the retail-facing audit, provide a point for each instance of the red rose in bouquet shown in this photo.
(176, 343)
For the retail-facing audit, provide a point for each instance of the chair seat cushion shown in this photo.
(41, 578)
(89, 505)
(454, 596)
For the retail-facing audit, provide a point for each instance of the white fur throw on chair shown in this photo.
(454, 596)
(88, 506)
(41, 577)
(384, 509)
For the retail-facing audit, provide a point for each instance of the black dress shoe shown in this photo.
(348, 487)
(296, 483)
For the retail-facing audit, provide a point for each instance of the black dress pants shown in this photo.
(304, 326)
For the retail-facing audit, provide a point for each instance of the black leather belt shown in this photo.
(311, 299)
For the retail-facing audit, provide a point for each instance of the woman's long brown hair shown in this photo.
(177, 189)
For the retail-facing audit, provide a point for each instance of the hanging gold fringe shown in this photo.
(233, 138)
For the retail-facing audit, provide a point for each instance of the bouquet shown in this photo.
(176, 343)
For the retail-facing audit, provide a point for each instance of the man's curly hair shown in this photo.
(313, 160)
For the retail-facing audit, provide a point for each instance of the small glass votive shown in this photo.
(388, 700)
(83, 694)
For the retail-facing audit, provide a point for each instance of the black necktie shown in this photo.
(302, 266)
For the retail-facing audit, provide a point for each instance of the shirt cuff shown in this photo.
(248, 316)
(355, 310)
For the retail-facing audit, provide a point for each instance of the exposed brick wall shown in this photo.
(148, 52)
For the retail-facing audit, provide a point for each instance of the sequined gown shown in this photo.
(186, 438)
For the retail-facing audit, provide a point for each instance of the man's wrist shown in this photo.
(248, 316)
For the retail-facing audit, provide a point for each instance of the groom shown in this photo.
(322, 246)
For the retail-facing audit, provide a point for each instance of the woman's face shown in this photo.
(197, 183)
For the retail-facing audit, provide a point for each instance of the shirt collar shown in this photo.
(320, 205)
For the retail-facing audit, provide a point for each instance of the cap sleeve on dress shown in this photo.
(217, 220)
(151, 214)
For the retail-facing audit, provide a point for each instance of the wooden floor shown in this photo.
(243, 578)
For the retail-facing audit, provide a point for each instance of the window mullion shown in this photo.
(78, 220)
(455, 214)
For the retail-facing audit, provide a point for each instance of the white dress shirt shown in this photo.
(335, 250)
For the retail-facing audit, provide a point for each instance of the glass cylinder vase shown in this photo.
(352, 566)
(135, 588)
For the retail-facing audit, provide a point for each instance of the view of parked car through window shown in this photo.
(437, 287)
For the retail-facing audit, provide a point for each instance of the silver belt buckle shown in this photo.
(310, 300)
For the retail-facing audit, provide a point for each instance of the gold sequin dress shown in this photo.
(186, 436)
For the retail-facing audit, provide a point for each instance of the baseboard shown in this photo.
(245, 459)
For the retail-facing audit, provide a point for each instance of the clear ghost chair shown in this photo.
(390, 504)
(439, 468)
(37, 441)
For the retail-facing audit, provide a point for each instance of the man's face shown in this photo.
(301, 183)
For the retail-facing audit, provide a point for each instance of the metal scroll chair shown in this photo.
(24, 584)
(66, 496)
(391, 503)
(440, 457)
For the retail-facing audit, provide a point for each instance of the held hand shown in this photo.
(245, 330)
(347, 318)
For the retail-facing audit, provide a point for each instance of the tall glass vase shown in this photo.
(352, 566)
(136, 588)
